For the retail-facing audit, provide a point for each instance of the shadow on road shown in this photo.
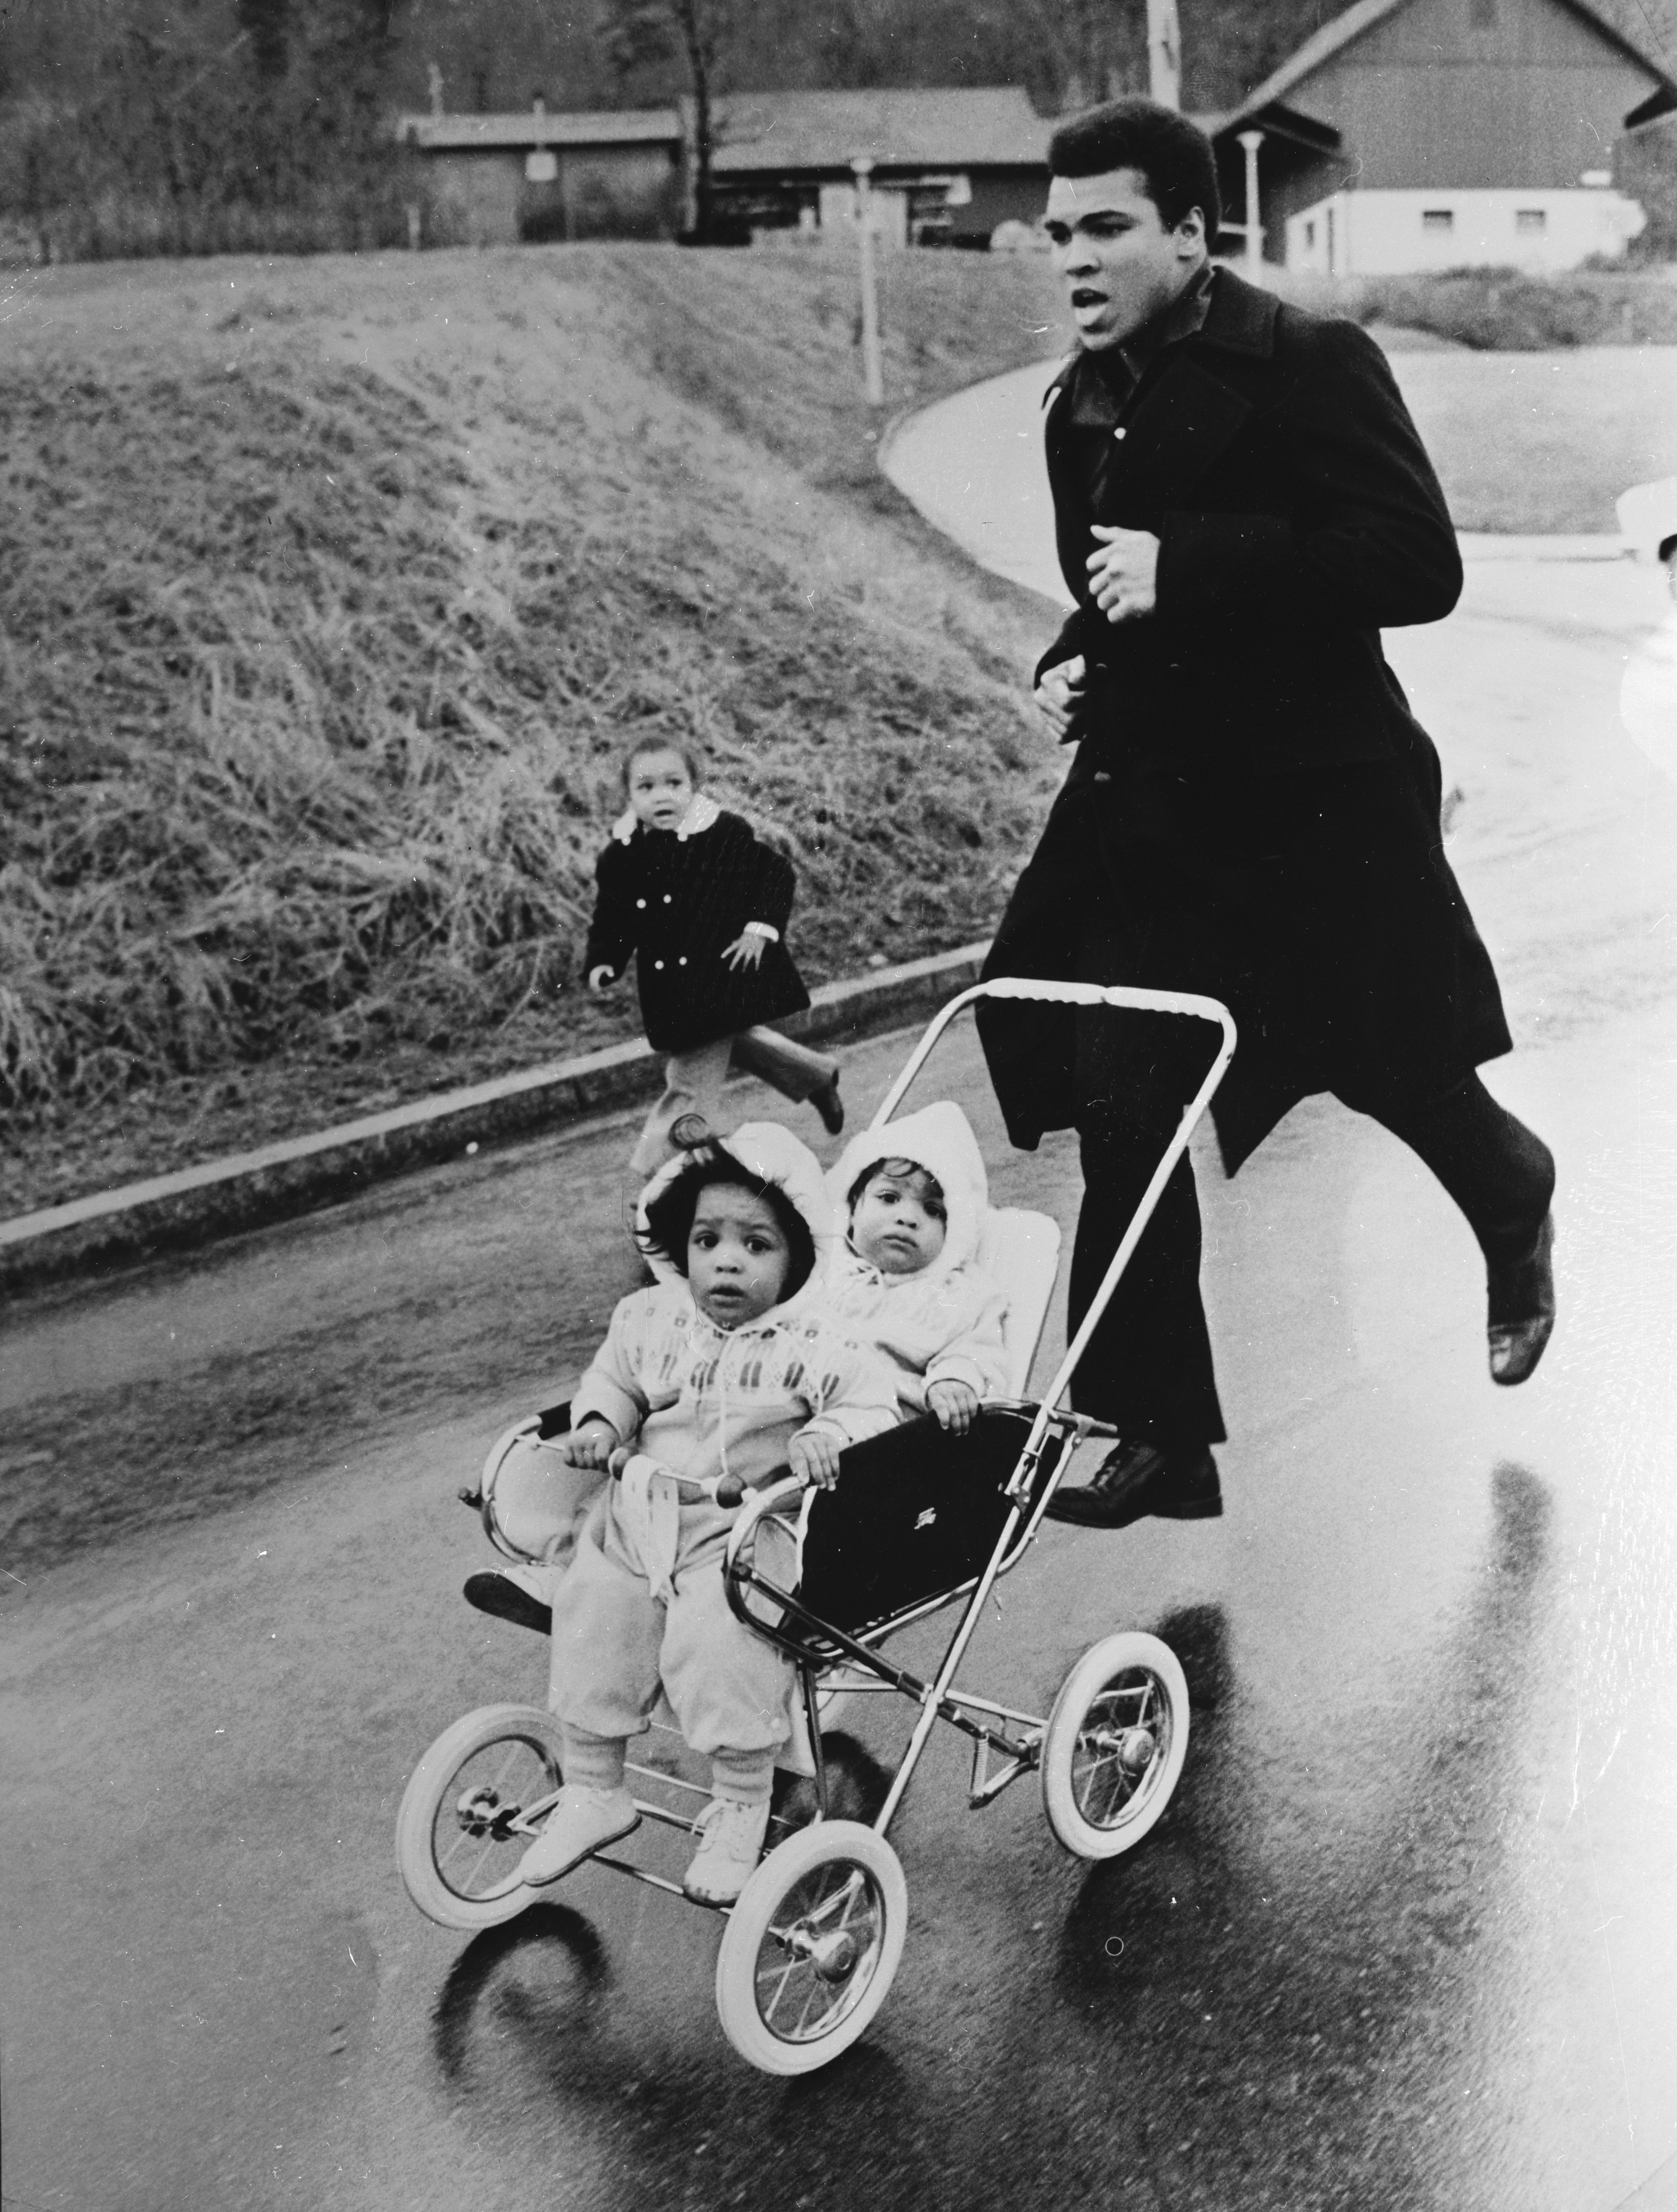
(1295, 2016)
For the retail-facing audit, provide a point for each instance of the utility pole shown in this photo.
(1165, 53)
(861, 167)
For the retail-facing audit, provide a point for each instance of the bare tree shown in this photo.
(694, 35)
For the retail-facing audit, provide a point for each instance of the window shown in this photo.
(1437, 219)
(1530, 222)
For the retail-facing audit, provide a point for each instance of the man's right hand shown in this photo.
(1060, 694)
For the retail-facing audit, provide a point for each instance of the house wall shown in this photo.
(604, 191)
(607, 192)
(997, 194)
(478, 193)
(1001, 196)
(1531, 97)
(1386, 233)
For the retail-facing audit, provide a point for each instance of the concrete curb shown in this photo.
(174, 1212)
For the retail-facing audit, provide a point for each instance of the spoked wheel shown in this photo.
(810, 1949)
(455, 1843)
(1115, 1747)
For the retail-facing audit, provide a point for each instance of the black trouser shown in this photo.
(1148, 1366)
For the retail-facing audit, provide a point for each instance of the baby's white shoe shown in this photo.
(582, 1823)
(730, 1844)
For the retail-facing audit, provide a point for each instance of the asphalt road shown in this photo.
(1407, 1935)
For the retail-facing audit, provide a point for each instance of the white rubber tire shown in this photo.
(444, 1892)
(1073, 1786)
(788, 1886)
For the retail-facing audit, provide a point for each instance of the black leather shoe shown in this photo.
(1136, 1479)
(1520, 1307)
(498, 1594)
(830, 1107)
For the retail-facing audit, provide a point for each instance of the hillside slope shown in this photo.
(329, 593)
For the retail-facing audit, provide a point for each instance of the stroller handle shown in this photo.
(1120, 997)
(1129, 998)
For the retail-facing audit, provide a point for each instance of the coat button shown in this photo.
(666, 898)
(682, 962)
(1119, 432)
(658, 964)
(640, 902)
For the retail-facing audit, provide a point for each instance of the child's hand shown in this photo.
(814, 1459)
(746, 951)
(591, 1445)
(601, 978)
(954, 1403)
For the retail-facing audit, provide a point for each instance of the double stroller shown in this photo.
(832, 1578)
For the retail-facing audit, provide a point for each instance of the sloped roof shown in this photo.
(530, 126)
(1646, 32)
(992, 125)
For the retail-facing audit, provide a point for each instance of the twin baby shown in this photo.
(758, 1347)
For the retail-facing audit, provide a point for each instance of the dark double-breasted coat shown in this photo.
(675, 900)
(1253, 807)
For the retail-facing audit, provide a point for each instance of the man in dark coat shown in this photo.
(1242, 503)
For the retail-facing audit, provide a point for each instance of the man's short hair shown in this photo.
(1172, 154)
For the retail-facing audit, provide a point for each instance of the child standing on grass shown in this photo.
(727, 1367)
(703, 906)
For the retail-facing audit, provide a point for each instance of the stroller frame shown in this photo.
(829, 1898)
(937, 1698)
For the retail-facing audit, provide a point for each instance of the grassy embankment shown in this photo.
(330, 592)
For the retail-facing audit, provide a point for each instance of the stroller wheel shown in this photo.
(1114, 1746)
(455, 1843)
(810, 1949)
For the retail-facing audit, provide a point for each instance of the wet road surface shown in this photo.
(1407, 1936)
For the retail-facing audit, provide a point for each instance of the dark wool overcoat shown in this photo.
(1253, 808)
(675, 902)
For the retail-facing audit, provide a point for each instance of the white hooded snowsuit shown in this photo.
(643, 1602)
(942, 1323)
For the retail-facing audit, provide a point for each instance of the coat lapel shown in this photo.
(1183, 423)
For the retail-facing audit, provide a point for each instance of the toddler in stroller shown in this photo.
(723, 1373)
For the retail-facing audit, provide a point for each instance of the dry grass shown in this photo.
(330, 599)
(1502, 310)
(330, 590)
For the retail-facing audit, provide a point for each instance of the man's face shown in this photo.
(1120, 264)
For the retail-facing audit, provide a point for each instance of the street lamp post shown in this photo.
(861, 167)
(1165, 53)
(1251, 141)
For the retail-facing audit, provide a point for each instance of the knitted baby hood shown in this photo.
(770, 1154)
(939, 1139)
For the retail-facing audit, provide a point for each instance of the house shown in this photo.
(498, 179)
(1410, 135)
(949, 165)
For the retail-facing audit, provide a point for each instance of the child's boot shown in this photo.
(730, 1834)
(582, 1821)
(519, 1592)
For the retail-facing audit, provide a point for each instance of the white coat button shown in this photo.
(682, 962)
(666, 898)
(658, 964)
(1119, 432)
(640, 902)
